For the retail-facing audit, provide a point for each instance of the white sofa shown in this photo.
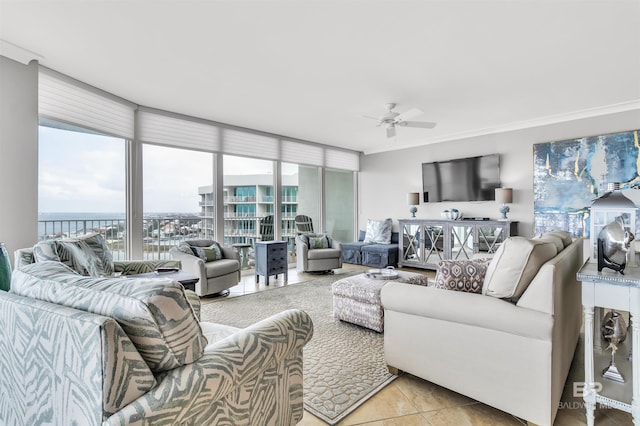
(512, 356)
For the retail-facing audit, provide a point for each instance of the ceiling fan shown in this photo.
(392, 119)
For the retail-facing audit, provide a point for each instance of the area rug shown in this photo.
(343, 363)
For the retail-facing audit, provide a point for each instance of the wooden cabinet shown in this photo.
(271, 259)
(424, 243)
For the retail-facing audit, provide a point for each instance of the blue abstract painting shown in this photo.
(569, 175)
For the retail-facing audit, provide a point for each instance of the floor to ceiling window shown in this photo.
(340, 204)
(300, 196)
(248, 200)
(81, 185)
(90, 178)
(175, 209)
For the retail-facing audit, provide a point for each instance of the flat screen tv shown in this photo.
(463, 179)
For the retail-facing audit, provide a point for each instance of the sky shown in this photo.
(80, 172)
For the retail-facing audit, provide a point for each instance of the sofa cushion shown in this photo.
(378, 231)
(153, 312)
(462, 275)
(328, 253)
(221, 267)
(514, 265)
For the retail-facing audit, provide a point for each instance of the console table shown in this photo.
(609, 289)
(271, 259)
(423, 243)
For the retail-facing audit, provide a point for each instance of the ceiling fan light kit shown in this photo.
(391, 118)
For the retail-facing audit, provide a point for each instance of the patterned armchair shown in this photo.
(113, 351)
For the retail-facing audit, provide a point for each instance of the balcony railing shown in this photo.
(160, 234)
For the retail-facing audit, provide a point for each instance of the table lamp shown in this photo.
(504, 196)
(413, 199)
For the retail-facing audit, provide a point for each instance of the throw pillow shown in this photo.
(462, 275)
(563, 235)
(198, 252)
(45, 250)
(213, 252)
(78, 256)
(318, 242)
(185, 248)
(551, 238)
(378, 231)
(514, 265)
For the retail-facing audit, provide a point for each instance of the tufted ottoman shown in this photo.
(357, 299)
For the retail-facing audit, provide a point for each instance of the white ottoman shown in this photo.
(357, 299)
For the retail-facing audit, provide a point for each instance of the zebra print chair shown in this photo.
(112, 351)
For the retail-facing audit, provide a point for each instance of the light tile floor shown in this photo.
(410, 401)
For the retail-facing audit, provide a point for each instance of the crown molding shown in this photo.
(17, 53)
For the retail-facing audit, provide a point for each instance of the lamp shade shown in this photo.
(413, 198)
(504, 195)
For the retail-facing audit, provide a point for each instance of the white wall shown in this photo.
(18, 154)
(386, 178)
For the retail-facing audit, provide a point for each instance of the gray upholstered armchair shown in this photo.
(217, 274)
(317, 252)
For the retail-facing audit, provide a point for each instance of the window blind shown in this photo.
(248, 144)
(72, 102)
(155, 127)
(301, 153)
(343, 160)
(69, 101)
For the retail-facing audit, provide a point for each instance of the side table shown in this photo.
(610, 289)
(271, 259)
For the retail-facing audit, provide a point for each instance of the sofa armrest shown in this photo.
(190, 263)
(266, 348)
(133, 267)
(471, 309)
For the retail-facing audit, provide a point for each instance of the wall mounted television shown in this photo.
(462, 179)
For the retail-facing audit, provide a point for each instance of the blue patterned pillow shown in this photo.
(378, 231)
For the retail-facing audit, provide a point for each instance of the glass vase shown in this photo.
(5, 268)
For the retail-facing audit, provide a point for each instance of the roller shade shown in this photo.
(179, 132)
(63, 99)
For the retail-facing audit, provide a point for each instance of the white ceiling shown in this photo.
(308, 69)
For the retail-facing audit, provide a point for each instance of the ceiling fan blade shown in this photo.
(391, 131)
(413, 112)
(372, 118)
(421, 124)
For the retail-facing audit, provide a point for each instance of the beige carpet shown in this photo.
(343, 363)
